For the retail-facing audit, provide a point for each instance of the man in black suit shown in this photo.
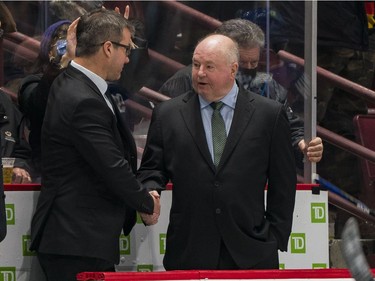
(218, 218)
(89, 189)
(251, 40)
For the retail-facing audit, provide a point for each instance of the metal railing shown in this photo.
(350, 87)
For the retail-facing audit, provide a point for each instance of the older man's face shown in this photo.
(212, 74)
(249, 58)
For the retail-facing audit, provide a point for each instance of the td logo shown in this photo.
(162, 242)
(318, 213)
(124, 245)
(298, 243)
(7, 274)
(26, 240)
(319, 266)
(9, 211)
(145, 267)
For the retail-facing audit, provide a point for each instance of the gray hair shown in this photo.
(246, 33)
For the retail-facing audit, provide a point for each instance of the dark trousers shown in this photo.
(66, 268)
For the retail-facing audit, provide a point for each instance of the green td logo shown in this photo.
(319, 266)
(7, 274)
(162, 242)
(9, 211)
(124, 245)
(26, 240)
(318, 213)
(298, 243)
(145, 267)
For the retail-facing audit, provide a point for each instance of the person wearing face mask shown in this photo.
(34, 88)
(250, 39)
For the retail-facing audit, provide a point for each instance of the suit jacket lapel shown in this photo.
(77, 74)
(193, 121)
(129, 145)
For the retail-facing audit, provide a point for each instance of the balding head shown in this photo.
(220, 45)
(215, 64)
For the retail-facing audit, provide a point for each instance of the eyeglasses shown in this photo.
(127, 48)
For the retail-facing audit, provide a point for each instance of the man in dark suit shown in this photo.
(218, 218)
(89, 189)
(251, 41)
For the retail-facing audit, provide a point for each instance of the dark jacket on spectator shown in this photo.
(13, 141)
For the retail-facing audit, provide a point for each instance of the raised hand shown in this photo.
(71, 45)
(126, 13)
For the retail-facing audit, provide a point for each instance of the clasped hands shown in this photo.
(152, 219)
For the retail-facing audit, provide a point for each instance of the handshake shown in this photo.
(152, 219)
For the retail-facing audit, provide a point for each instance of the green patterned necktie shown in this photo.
(219, 135)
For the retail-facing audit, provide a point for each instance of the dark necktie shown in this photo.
(110, 99)
(130, 146)
(219, 135)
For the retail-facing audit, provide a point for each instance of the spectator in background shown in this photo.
(12, 135)
(89, 189)
(250, 39)
(34, 88)
(342, 46)
(13, 142)
(70, 10)
(218, 218)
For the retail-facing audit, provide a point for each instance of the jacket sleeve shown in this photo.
(280, 94)
(152, 170)
(21, 148)
(93, 136)
(178, 84)
(34, 90)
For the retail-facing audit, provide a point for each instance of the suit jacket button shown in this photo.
(217, 184)
(218, 211)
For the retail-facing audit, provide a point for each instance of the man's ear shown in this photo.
(107, 48)
(234, 69)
